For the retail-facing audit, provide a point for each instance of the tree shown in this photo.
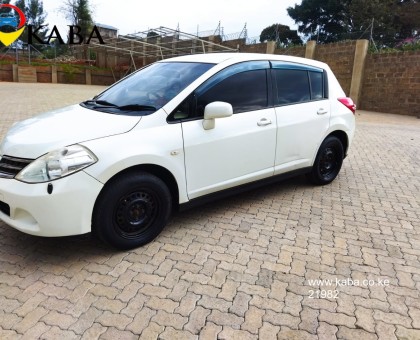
(408, 17)
(334, 20)
(326, 20)
(282, 34)
(35, 15)
(80, 14)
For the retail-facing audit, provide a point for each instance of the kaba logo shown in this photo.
(8, 38)
(74, 34)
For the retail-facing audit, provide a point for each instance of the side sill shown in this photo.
(241, 189)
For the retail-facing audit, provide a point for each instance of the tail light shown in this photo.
(348, 102)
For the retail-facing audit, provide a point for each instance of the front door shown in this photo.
(240, 148)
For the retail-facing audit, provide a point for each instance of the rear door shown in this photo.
(303, 113)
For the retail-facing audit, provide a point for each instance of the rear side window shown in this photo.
(296, 83)
(292, 86)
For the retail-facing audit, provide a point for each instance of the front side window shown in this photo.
(245, 91)
(243, 85)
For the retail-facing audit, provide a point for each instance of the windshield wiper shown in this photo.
(101, 103)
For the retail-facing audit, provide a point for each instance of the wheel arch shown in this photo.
(159, 171)
(342, 136)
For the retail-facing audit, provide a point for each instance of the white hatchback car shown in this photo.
(172, 134)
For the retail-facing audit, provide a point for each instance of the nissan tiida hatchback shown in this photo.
(170, 135)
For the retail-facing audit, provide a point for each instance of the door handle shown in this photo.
(264, 122)
(322, 111)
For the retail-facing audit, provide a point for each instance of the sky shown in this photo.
(131, 16)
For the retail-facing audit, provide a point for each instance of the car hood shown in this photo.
(36, 136)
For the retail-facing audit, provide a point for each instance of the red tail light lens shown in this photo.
(348, 102)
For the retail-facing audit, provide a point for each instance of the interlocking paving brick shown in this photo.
(210, 331)
(141, 320)
(119, 321)
(253, 320)
(30, 320)
(229, 333)
(197, 320)
(309, 319)
(349, 333)
(174, 334)
(286, 334)
(326, 331)
(385, 331)
(268, 331)
(240, 304)
(365, 319)
(281, 319)
(225, 319)
(239, 267)
(337, 319)
(168, 319)
(407, 333)
(187, 304)
(86, 321)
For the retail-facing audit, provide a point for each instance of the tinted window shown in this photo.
(245, 91)
(317, 85)
(243, 85)
(292, 86)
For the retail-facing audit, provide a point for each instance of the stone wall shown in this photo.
(340, 57)
(378, 82)
(6, 72)
(296, 51)
(66, 74)
(392, 83)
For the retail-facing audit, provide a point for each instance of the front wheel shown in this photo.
(328, 161)
(132, 210)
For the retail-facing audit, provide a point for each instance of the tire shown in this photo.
(328, 161)
(132, 210)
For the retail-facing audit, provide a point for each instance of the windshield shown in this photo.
(149, 89)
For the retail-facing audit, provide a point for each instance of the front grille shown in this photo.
(5, 208)
(11, 166)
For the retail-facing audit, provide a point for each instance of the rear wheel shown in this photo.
(132, 210)
(328, 161)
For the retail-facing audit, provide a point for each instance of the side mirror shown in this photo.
(215, 110)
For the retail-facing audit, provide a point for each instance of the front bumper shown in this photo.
(66, 211)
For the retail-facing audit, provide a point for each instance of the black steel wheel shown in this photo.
(328, 161)
(132, 210)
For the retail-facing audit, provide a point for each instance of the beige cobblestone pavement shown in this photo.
(240, 268)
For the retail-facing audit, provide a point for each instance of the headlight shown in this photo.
(57, 164)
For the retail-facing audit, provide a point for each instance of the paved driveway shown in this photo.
(289, 261)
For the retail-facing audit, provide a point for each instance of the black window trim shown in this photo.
(272, 90)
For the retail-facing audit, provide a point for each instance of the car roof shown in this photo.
(217, 58)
